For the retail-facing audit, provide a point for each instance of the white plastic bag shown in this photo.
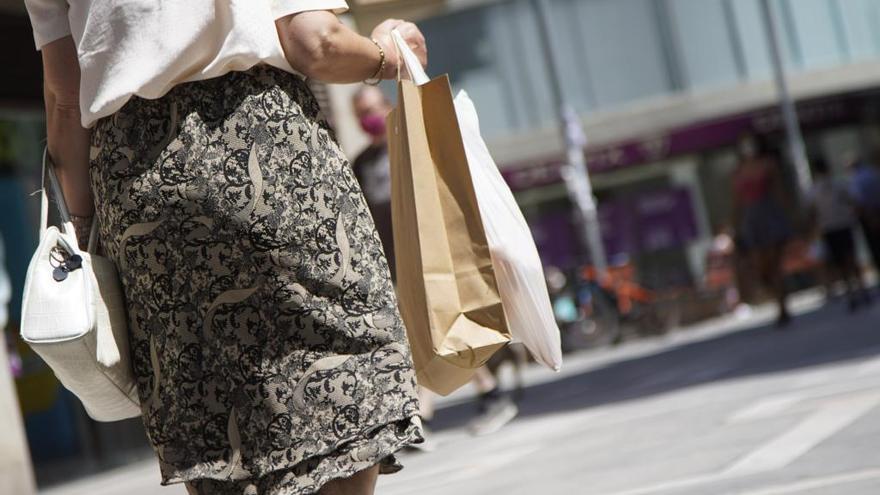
(518, 268)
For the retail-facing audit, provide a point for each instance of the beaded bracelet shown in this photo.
(376, 78)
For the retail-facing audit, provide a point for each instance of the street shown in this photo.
(728, 407)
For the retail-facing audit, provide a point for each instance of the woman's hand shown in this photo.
(413, 37)
(319, 46)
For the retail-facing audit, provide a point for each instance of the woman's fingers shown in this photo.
(409, 32)
(416, 40)
(386, 26)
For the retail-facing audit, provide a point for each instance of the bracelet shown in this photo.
(376, 78)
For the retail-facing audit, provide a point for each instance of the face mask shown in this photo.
(373, 124)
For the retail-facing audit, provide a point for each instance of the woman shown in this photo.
(759, 216)
(269, 353)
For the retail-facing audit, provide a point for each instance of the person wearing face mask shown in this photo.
(371, 167)
(760, 218)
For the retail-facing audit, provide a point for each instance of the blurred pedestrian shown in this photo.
(267, 346)
(496, 406)
(835, 218)
(371, 167)
(865, 190)
(721, 269)
(759, 216)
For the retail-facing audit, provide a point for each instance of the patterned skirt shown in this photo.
(265, 337)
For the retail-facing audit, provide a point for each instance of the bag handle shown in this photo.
(410, 60)
(64, 213)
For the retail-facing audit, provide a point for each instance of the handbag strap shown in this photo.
(64, 213)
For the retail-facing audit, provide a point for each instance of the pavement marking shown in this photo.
(870, 367)
(832, 417)
(813, 483)
(783, 402)
(672, 485)
(766, 408)
(821, 376)
(817, 427)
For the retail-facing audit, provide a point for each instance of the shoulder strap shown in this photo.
(64, 213)
(44, 200)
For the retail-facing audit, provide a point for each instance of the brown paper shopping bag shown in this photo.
(448, 295)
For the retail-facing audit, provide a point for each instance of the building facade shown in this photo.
(665, 88)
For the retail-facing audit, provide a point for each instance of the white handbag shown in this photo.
(73, 315)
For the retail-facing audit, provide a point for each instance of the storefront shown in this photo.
(662, 198)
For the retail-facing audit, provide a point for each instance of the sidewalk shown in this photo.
(578, 363)
(142, 477)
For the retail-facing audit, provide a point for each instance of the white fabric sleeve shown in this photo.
(48, 19)
(281, 8)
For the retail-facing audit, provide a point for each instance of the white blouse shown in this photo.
(146, 47)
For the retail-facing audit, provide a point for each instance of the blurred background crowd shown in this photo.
(704, 205)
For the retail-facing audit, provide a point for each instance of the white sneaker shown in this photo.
(498, 414)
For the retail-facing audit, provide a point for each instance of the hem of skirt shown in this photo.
(397, 446)
(380, 458)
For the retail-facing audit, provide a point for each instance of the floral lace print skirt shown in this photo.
(268, 349)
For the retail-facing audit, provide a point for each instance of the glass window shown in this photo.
(860, 21)
(623, 49)
(814, 23)
(703, 40)
(753, 41)
(493, 53)
(467, 55)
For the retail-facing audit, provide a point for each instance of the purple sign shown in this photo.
(665, 219)
(712, 134)
(687, 139)
(544, 174)
(619, 232)
(659, 219)
(556, 238)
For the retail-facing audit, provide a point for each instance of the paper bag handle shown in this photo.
(410, 60)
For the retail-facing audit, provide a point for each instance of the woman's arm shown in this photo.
(321, 47)
(68, 141)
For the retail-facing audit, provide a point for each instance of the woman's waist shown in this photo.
(213, 92)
